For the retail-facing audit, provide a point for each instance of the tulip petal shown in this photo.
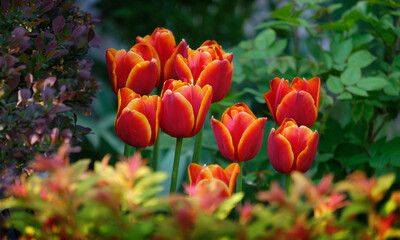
(299, 106)
(219, 173)
(152, 107)
(169, 68)
(197, 62)
(133, 128)
(218, 74)
(224, 139)
(232, 172)
(111, 66)
(306, 157)
(240, 122)
(143, 77)
(279, 89)
(280, 152)
(125, 95)
(194, 173)
(251, 140)
(203, 110)
(182, 70)
(315, 90)
(177, 117)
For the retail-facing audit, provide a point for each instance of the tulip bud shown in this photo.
(240, 133)
(137, 121)
(291, 147)
(300, 101)
(184, 108)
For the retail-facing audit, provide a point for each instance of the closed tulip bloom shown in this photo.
(300, 101)
(137, 121)
(198, 175)
(240, 133)
(184, 108)
(137, 69)
(208, 64)
(164, 43)
(291, 147)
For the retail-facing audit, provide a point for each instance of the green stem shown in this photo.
(174, 177)
(197, 147)
(288, 182)
(127, 150)
(240, 178)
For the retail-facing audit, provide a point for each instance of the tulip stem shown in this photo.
(127, 151)
(288, 182)
(174, 177)
(197, 147)
(240, 178)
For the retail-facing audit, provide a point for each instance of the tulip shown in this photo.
(137, 121)
(184, 108)
(163, 41)
(137, 69)
(300, 101)
(291, 147)
(198, 175)
(239, 135)
(209, 64)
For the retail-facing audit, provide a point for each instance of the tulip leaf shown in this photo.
(361, 59)
(334, 85)
(341, 50)
(264, 39)
(351, 76)
(372, 83)
(357, 91)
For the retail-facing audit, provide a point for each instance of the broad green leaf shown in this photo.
(334, 85)
(254, 54)
(272, 66)
(350, 76)
(327, 59)
(283, 12)
(246, 44)
(368, 112)
(323, 157)
(276, 48)
(361, 59)
(341, 50)
(345, 96)
(264, 39)
(230, 203)
(357, 111)
(357, 91)
(361, 39)
(372, 83)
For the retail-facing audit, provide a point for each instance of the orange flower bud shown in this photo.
(291, 147)
(137, 121)
(240, 133)
(300, 101)
(184, 108)
(137, 69)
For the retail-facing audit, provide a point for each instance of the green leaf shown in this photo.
(327, 59)
(341, 50)
(383, 183)
(226, 207)
(372, 83)
(283, 12)
(357, 111)
(351, 75)
(357, 91)
(361, 59)
(345, 96)
(276, 48)
(368, 112)
(361, 39)
(334, 85)
(264, 39)
(254, 54)
(323, 157)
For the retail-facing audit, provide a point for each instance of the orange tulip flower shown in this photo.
(184, 108)
(163, 41)
(240, 133)
(300, 101)
(137, 69)
(137, 121)
(291, 147)
(198, 175)
(209, 64)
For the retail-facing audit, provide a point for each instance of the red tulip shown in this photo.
(198, 175)
(300, 101)
(291, 147)
(209, 64)
(137, 121)
(184, 108)
(137, 69)
(239, 135)
(163, 41)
